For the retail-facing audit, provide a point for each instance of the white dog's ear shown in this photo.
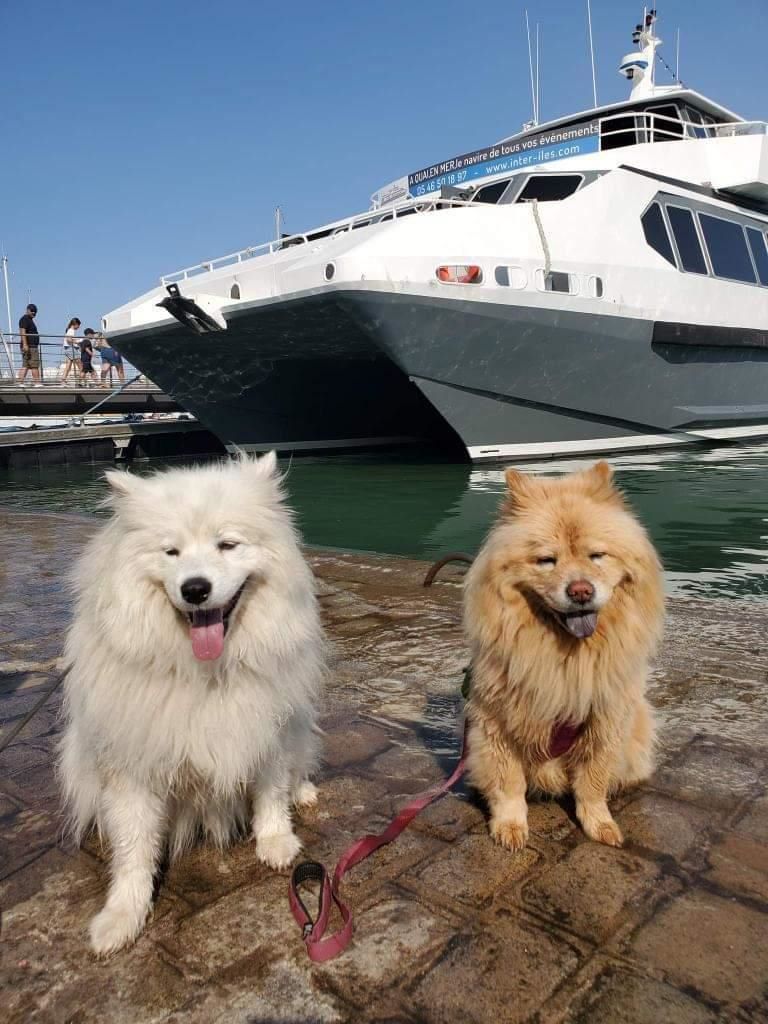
(266, 466)
(122, 482)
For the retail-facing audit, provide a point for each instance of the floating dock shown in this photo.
(110, 441)
(54, 399)
(449, 927)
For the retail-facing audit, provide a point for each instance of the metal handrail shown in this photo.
(325, 230)
(654, 124)
(50, 366)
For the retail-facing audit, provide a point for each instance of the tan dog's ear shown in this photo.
(520, 489)
(598, 482)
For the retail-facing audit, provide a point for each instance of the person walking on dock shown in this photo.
(29, 343)
(111, 359)
(86, 357)
(71, 360)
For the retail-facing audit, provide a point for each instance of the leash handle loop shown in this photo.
(320, 948)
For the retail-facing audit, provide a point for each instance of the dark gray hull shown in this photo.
(508, 376)
(292, 375)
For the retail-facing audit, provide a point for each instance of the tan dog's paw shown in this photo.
(607, 832)
(510, 834)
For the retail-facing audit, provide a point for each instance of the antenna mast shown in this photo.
(530, 64)
(538, 94)
(677, 62)
(592, 51)
(278, 223)
(7, 295)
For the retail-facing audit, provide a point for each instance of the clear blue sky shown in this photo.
(139, 137)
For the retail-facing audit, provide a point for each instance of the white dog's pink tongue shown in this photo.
(207, 634)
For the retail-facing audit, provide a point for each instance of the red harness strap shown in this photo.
(320, 948)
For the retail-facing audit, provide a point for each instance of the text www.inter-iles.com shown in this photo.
(511, 163)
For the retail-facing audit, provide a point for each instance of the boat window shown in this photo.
(406, 212)
(759, 247)
(696, 127)
(234, 291)
(667, 124)
(549, 187)
(596, 287)
(511, 277)
(617, 131)
(687, 240)
(656, 234)
(727, 247)
(491, 193)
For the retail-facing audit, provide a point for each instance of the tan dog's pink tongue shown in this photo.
(207, 634)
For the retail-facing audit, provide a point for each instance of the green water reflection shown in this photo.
(706, 510)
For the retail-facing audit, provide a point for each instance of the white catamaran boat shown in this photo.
(595, 283)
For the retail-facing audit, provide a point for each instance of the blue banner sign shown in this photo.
(511, 155)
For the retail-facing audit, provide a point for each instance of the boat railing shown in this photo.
(649, 126)
(53, 362)
(360, 220)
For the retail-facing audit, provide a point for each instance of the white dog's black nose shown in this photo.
(196, 589)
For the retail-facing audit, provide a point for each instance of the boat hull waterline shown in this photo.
(349, 369)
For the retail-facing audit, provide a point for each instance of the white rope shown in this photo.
(544, 245)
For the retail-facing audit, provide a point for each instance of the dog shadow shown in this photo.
(440, 731)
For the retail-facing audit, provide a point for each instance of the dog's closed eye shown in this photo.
(546, 560)
(227, 545)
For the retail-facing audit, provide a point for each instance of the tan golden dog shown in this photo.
(563, 608)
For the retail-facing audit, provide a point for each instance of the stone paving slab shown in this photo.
(673, 927)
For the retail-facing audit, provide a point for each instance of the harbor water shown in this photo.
(706, 509)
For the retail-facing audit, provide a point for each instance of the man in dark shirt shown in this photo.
(29, 343)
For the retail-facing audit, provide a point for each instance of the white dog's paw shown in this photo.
(112, 929)
(278, 850)
(306, 794)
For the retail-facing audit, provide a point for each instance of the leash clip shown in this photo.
(306, 931)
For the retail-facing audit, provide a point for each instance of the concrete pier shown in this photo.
(450, 928)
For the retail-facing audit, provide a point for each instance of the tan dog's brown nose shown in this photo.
(580, 591)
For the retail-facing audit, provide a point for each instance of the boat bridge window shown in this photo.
(687, 240)
(727, 245)
(234, 291)
(665, 125)
(549, 187)
(491, 193)
(616, 132)
(758, 243)
(656, 234)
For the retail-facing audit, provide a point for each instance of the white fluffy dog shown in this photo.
(194, 663)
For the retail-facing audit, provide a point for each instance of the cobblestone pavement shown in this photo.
(671, 928)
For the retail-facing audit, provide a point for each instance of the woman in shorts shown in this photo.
(71, 352)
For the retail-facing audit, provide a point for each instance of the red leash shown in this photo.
(320, 948)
